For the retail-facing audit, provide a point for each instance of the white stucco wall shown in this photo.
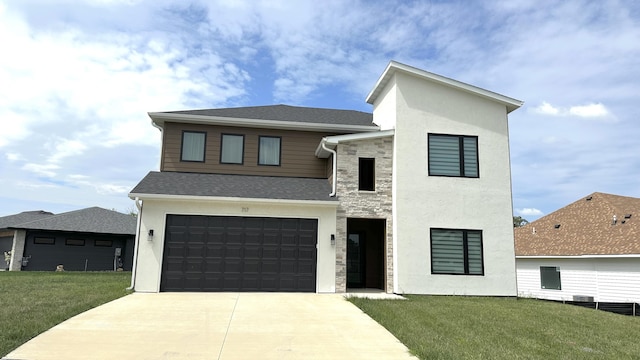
(422, 202)
(154, 214)
(606, 279)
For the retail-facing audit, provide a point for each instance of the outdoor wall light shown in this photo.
(150, 237)
(333, 239)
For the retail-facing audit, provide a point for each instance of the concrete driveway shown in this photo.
(217, 326)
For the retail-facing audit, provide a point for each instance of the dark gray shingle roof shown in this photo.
(23, 217)
(288, 113)
(243, 186)
(91, 220)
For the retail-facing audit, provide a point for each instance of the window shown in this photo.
(457, 252)
(193, 144)
(269, 151)
(550, 278)
(105, 243)
(231, 149)
(74, 242)
(44, 240)
(453, 155)
(366, 174)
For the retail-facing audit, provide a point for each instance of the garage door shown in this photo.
(228, 253)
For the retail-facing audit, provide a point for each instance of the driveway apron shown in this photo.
(217, 326)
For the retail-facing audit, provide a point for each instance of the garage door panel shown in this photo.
(217, 253)
(232, 266)
(175, 251)
(252, 237)
(270, 252)
(233, 251)
(176, 265)
(289, 239)
(213, 266)
(308, 225)
(288, 267)
(252, 252)
(251, 267)
(270, 267)
(290, 224)
(215, 250)
(234, 237)
(270, 238)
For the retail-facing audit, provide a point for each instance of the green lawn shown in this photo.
(32, 302)
(455, 327)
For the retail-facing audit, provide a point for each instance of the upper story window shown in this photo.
(453, 155)
(366, 174)
(231, 149)
(456, 252)
(269, 150)
(193, 145)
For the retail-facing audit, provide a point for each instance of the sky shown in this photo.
(77, 79)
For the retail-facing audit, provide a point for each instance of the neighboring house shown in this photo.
(92, 239)
(414, 198)
(590, 248)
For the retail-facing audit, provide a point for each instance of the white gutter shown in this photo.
(329, 203)
(335, 167)
(136, 244)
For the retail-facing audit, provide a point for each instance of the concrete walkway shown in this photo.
(217, 326)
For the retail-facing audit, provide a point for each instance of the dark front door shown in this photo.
(230, 253)
(366, 253)
(356, 268)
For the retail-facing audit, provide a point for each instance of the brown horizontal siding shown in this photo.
(297, 152)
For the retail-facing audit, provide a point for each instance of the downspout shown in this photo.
(335, 168)
(136, 245)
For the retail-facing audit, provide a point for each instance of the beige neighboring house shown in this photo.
(587, 251)
(412, 198)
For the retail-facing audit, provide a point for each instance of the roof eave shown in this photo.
(578, 256)
(147, 196)
(159, 118)
(333, 141)
(393, 67)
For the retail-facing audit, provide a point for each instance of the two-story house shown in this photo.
(414, 198)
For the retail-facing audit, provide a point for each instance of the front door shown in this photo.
(355, 260)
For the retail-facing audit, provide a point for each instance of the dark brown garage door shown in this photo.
(228, 253)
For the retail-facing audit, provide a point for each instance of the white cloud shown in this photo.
(546, 109)
(589, 111)
(112, 189)
(11, 156)
(529, 212)
(64, 148)
(47, 170)
(594, 110)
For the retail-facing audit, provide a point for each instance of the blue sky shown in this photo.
(78, 77)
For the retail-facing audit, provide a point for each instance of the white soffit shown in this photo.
(393, 67)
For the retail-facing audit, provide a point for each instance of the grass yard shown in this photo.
(32, 302)
(455, 327)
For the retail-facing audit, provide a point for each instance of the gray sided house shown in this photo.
(92, 239)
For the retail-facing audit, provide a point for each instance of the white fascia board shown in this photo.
(578, 256)
(332, 141)
(159, 119)
(510, 103)
(232, 199)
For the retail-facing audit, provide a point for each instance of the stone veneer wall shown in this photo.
(364, 204)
